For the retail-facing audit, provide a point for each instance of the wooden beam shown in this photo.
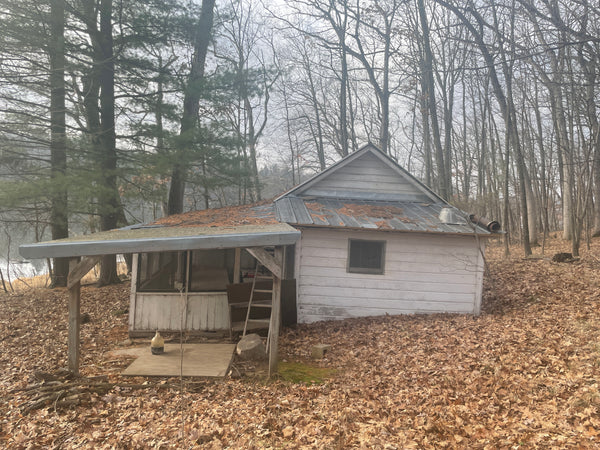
(133, 291)
(272, 263)
(74, 316)
(78, 271)
(275, 314)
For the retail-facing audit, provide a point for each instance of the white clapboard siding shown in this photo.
(423, 274)
(205, 311)
(363, 178)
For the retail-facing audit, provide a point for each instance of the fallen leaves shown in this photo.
(522, 374)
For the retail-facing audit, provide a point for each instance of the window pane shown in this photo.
(366, 256)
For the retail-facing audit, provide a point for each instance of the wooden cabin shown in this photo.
(373, 241)
(362, 238)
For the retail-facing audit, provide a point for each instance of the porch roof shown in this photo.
(157, 238)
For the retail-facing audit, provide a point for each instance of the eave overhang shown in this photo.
(160, 239)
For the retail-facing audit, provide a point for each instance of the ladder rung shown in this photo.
(261, 305)
(263, 290)
(264, 277)
(238, 305)
(265, 322)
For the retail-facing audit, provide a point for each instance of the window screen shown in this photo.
(166, 271)
(366, 256)
(210, 270)
(161, 271)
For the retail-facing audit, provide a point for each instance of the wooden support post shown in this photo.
(77, 270)
(237, 264)
(133, 291)
(74, 318)
(275, 314)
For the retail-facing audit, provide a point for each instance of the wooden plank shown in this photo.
(275, 315)
(74, 317)
(272, 263)
(359, 183)
(408, 306)
(361, 195)
(392, 284)
(77, 272)
(353, 295)
(424, 274)
(315, 315)
(132, 295)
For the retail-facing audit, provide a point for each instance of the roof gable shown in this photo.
(367, 174)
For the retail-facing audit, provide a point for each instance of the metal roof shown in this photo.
(156, 238)
(372, 215)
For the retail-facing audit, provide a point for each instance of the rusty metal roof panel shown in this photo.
(336, 217)
(372, 214)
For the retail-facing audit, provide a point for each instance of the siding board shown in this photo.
(451, 287)
(423, 274)
(364, 178)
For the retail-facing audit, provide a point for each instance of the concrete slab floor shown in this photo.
(199, 360)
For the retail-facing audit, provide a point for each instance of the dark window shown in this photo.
(366, 256)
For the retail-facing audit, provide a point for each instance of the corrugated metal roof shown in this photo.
(371, 215)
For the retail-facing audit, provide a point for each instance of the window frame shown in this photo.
(366, 270)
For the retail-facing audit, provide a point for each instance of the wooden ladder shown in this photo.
(260, 304)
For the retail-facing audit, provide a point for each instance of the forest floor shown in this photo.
(522, 374)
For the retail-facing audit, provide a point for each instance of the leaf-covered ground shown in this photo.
(523, 374)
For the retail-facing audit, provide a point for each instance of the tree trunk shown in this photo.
(108, 197)
(424, 104)
(58, 139)
(191, 105)
(589, 69)
(343, 92)
(506, 106)
(532, 208)
(315, 104)
(429, 85)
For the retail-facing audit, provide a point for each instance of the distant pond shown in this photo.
(22, 268)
